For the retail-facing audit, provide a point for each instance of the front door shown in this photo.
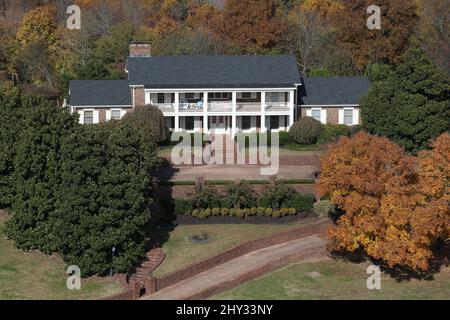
(218, 124)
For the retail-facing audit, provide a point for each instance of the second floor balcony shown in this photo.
(245, 103)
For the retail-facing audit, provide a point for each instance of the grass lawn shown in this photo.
(335, 279)
(37, 276)
(181, 250)
(166, 151)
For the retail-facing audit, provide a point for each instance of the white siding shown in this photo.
(355, 116)
(96, 117)
(323, 116)
(341, 116)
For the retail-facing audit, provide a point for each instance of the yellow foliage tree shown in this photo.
(38, 25)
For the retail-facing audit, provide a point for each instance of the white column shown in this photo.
(291, 108)
(233, 114)
(263, 111)
(205, 112)
(177, 111)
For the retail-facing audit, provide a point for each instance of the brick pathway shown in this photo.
(243, 268)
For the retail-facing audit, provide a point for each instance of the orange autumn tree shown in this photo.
(392, 211)
(398, 20)
(251, 26)
(432, 219)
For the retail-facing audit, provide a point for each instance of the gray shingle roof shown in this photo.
(100, 93)
(332, 90)
(250, 71)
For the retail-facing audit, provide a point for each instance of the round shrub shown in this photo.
(306, 130)
(324, 208)
(261, 211)
(268, 212)
(276, 214)
(151, 120)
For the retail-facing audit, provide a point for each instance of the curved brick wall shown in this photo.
(315, 227)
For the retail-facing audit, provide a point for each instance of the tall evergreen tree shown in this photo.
(409, 104)
(36, 176)
(104, 198)
(9, 128)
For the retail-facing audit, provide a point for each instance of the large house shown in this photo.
(219, 94)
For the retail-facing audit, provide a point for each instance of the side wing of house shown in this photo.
(100, 100)
(332, 100)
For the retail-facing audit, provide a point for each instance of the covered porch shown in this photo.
(223, 124)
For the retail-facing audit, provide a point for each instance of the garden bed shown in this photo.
(189, 220)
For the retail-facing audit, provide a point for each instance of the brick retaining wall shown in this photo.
(316, 227)
(152, 284)
(309, 254)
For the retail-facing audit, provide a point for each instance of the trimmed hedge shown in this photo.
(244, 213)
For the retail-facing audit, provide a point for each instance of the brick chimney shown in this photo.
(140, 50)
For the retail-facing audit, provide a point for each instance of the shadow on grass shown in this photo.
(442, 259)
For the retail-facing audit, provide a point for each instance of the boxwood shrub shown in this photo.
(277, 201)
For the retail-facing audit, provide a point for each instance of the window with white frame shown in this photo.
(116, 114)
(160, 98)
(348, 117)
(88, 117)
(316, 114)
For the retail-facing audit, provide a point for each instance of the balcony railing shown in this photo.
(248, 106)
(165, 107)
(277, 106)
(191, 107)
(220, 106)
(223, 106)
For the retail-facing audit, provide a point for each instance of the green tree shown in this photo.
(409, 104)
(107, 60)
(36, 175)
(104, 199)
(9, 129)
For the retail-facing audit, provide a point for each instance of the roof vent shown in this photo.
(140, 50)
